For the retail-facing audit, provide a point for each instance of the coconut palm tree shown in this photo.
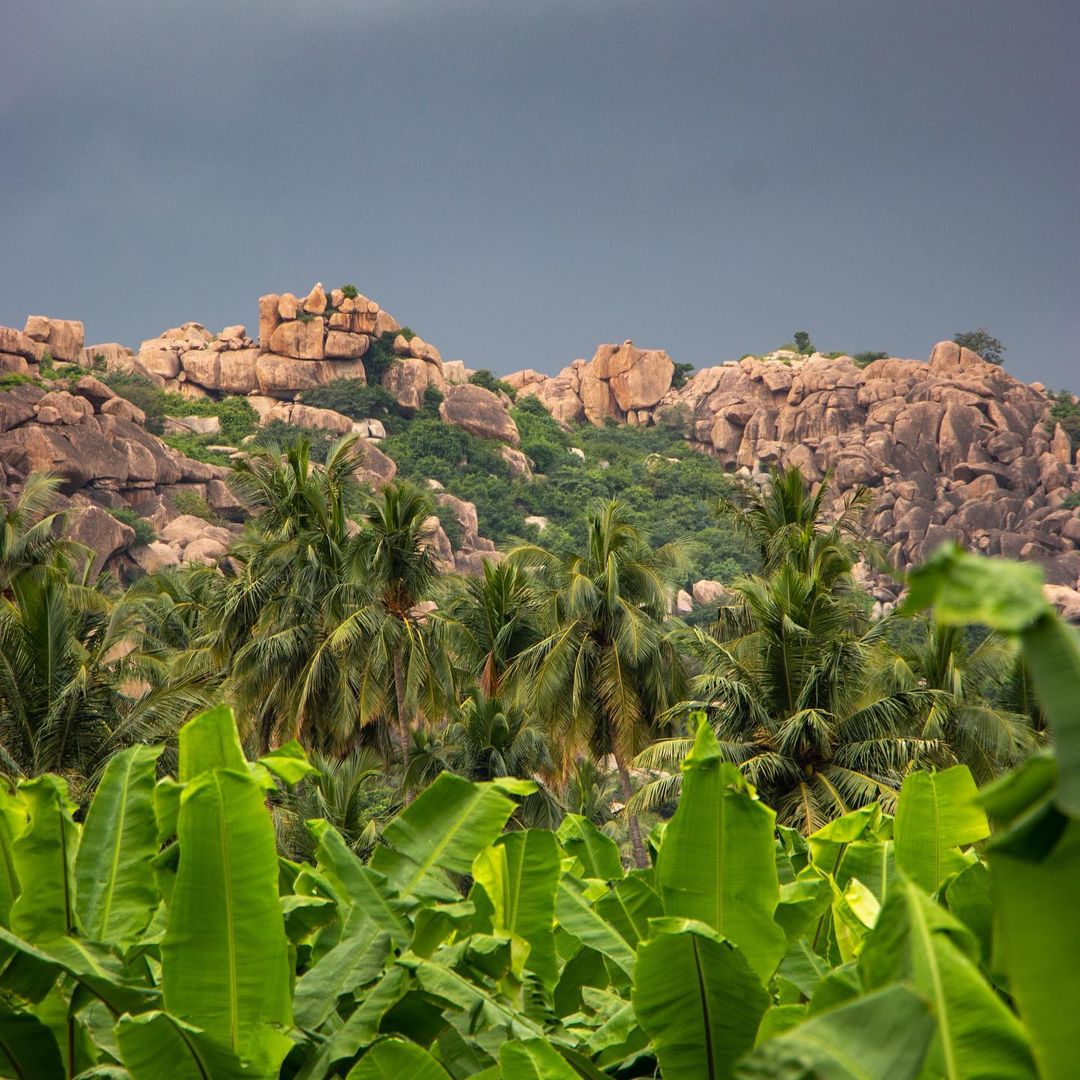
(964, 716)
(787, 675)
(403, 669)
(349, 792)
(785, 678)
(77, 682)
(486, 740)
(29, 529)
(297, 571)
(590, 792)
(604, 676)
(492, 621)
(784, 522)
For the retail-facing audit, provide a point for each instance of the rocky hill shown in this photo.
(953, 447)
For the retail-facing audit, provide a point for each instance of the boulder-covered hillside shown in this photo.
(952, 447)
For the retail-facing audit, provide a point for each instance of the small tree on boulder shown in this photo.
(981, 341)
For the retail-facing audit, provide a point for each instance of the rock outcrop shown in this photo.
(479, 412)
(94, 442)
(621, 382)
(953, 448)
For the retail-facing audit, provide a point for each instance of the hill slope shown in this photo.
(953, 447)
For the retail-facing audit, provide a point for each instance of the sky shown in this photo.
(519, 180)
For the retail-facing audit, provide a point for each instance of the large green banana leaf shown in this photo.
(918, 941)
(533, 1059)
(578, 916)
(697, 998)
(28, 1049)
(1039, 931)
(1006, 596)
(225, 956)
(355, 884)
(210, 741)
(397, 1059)
(479, 1014)
(445, 828)
(115, 889)
(629, 905)
(44, 859)
(1052, 653)
(12, 823)
(520, 875)
(157, 1046)
(936, 815)
(358, 959)
(883, 1036)
(717, 862)
(1035, 881)
(598, 854)
(361, 1029)
(97, 970)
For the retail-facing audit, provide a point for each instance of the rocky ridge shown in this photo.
(952, 448)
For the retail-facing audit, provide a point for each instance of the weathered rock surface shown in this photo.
(480, 412)
(61, 338)
(284, 376)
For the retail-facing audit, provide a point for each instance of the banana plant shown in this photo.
(163, 936)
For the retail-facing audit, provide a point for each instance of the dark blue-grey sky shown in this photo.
(521, 179)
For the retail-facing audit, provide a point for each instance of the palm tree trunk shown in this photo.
(641, 858)
(266, 729)
(403, 720)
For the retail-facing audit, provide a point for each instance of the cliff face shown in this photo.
(952, 448)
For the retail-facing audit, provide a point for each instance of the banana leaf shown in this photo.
(697, 998)
(717, 863)
(918, 941)
(116, 894)
(225, 958)
(882, 1036)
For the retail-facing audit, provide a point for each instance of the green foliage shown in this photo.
(191, 502)
(238, 418)
(145, 532)
(280, 435)
(380, 355)
(802, 342)
(198, 447)
(359, 401)
(350, 292)
(433, 398)
(666, 487)
(455, 533)
(1065, 411)
(464, 950)
(981, 341)
(484, 378)
(682, 373)
(11, 379)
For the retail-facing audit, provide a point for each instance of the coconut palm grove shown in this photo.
(322, 811)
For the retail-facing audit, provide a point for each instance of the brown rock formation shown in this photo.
(480, 412)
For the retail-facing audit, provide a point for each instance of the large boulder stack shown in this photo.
(954, 448)
(303, 343)
(95, 443)
(621, 382)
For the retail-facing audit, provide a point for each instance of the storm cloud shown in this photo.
(520, 180)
